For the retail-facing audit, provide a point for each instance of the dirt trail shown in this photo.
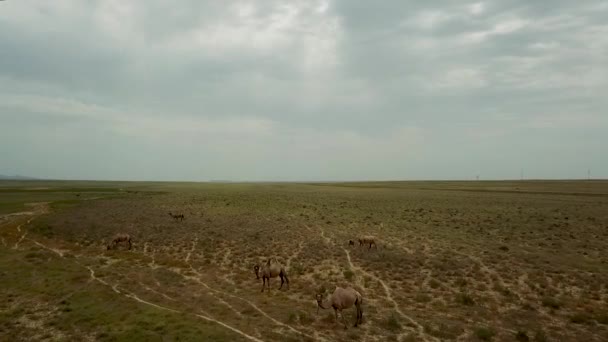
(126, 294)
(294, 255)
(388, 292)
(156, 292)
(16, 246)
(389, 297)
(187, 259)
(492, 277)
(207, 318)
(255, 307)
(161, 307)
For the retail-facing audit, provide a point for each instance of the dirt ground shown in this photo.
(463, 261)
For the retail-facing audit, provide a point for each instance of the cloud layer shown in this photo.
(303, 90)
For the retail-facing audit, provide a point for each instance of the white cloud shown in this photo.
(476, 8)
(500, 28)
(431, 19)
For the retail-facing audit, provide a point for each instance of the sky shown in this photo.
(303, 90)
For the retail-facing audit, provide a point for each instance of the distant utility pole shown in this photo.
(521, 174)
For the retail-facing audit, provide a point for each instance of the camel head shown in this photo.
(256, 268)
(319, 301)
(351, 242)
(108, 247)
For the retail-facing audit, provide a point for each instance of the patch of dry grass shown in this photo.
(453, 260)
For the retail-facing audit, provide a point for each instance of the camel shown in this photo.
(120, 237)
(271, 269)
(177, 216)
(351, 242)
(364, 240)
(342, 299)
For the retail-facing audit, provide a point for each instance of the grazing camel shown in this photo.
(118, 238)
(177, 216)
(342, 299)
(351, 242)
(271, 269)
(364, 240)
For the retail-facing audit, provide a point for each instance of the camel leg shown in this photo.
(263, 283)
(359, 315)
(343, 320)
(282, 281)
(130, 244)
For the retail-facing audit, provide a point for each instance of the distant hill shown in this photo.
(16, 177)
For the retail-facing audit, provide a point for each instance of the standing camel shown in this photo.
(177, 216)
(367, 240)
(271, 269)
(342, 299)
(118, 238)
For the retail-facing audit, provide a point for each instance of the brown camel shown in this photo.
(365, 240)
(271, 269)
(342, 299)
(118, 238)
(177, 216)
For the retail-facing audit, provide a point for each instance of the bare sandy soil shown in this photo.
(456, 261)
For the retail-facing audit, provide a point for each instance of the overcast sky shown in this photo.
(303, 90)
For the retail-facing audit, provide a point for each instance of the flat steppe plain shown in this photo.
(464, 261)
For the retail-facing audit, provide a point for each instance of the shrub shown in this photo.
(602, 318)
(465, 299)
(581, 318)
(292, 317)
(540, 336)
(551, 303)
(521, 336)
(484, 333)
(392, 323)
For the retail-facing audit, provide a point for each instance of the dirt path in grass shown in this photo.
(217, 294)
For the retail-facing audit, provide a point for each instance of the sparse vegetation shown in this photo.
(424, 273)
(581, 318)
(392, 323)
(522, 336)
(551, 302)
(465, 299)
(540, 336)
(484, 333)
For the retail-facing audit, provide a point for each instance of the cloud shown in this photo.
(342, 89)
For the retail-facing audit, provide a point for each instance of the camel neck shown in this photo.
(325, 304)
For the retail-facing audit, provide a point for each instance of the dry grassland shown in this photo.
(521, 261)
